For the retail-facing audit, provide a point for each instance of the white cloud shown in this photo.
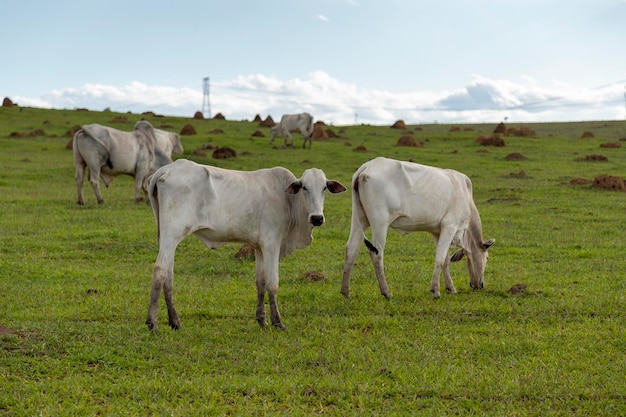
(339, 102)
(320, 17)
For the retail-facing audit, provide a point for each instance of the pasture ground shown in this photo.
(75, 284)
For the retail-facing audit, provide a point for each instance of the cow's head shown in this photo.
(313, 184)
(477, 255)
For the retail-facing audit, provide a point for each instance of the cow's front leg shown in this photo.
(270, 266)
(260, 289)
(274, 314)
(448, 278)
(442, 263)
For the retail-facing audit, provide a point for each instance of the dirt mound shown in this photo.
(219, 116)
(224, 153)
(31, 134)
(609, 182)
(245, 253)
(318, 131)
(216, 132)
(587, 135)
(399, 125)
(198, 115)
(257, 118)
(454, 129)
(312, 276)
(594, 158)
(360, 148)
(490, 141)
(611, 145)
(521, 132)
(409, 141)
(268, 122)
(580, 181)
(188, 130)
(72, 131)
(516, 156)
(7, 102)
(119, 119)
(517, 289)
(258, 134)
(331, 133)
(500, 129)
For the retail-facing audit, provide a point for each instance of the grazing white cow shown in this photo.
(109, 152)
(291, 122)
(410, 197)
(269, 209)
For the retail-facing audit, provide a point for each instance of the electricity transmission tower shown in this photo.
(206, 99)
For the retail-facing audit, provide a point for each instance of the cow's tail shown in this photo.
(153, 195)
(359, 217)
(78, 158)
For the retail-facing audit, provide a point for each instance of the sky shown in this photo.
(344, 61)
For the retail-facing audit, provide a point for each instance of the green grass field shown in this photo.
(75, 285)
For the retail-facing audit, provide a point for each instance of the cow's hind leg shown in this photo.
(377, 250)
(79, 177)
(94, 180)
(260, 289)
(352, 250)
(163, 278)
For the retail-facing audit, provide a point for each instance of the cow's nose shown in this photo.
(317, 220)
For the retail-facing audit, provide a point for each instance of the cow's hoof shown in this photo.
(280, 326)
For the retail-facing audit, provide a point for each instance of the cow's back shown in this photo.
(409, 196)
(228, 205)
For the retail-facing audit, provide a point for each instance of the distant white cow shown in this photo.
(109, 152)
(291, 122)
(169, 142)
(269, 209)
(410, 197)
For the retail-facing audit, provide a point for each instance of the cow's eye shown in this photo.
(304, 188)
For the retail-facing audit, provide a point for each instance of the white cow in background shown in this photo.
(108, 152)
(169, 142)
(269, 209)
(410, 197)
(292, 122)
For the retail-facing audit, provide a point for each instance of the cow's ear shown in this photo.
(335, 186)
(294, 187)
(487, 244)
(457, 256)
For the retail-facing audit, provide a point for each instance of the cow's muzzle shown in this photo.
(316, 220)
(478, 286)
